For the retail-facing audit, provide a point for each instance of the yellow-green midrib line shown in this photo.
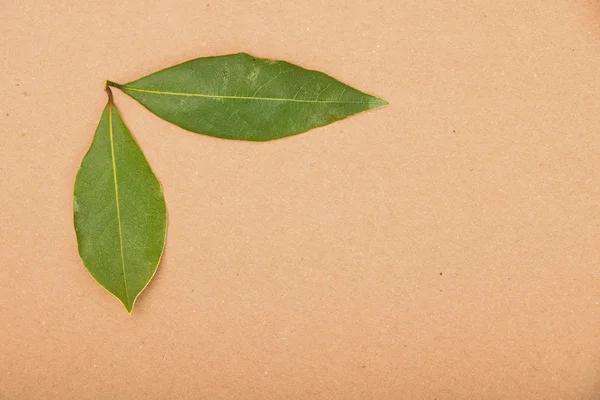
(376, 101)
(114, 165)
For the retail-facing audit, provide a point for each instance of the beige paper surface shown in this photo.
(444, 247)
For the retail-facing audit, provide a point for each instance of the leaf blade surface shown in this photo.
(119, 211)
(246, 98)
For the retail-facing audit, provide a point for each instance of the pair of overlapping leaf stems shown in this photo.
(119, 209)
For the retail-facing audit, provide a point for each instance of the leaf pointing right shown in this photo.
(246, 98)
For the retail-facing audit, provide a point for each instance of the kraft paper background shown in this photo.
(444, 247)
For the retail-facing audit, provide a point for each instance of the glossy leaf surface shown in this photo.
(119, 211)
(246, 98)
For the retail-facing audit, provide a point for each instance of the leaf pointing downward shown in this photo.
(119, 211)
(246, 98)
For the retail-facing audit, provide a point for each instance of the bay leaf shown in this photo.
(242, 97)
(119, 211)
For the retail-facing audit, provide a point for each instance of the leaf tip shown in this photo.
(377, 102)
(128, 307)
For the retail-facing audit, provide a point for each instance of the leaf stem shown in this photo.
(109, 93)
(113, 84)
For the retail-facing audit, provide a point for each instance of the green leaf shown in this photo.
(246, 98)
(119, 211)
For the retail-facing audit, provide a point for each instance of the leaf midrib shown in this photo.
(114, 165)
(214, 96)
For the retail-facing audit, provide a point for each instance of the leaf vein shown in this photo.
(114, 164)
(321, 92)
(270, 80)
(212, 96)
